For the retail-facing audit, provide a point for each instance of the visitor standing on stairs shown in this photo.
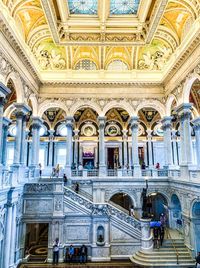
(156, 237)
(198, 260)
(56, 251)
(162, 234)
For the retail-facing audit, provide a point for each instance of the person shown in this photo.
(83, 254)
(40, 170)
(163, 219)
(143, 165)
(77, 187)
(198, 260)
(157, 165)
(56, 251)
(71, 253)
(156, 237)
(162, 234)
(131, 211)
(65, 179)
(53, 174)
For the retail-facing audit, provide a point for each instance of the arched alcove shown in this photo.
(157, 204)
(176, 210)
(123, 200)
(196, 225)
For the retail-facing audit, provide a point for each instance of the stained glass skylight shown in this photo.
(87, 7)
(124, 7)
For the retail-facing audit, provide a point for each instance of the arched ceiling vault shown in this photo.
(63, 33)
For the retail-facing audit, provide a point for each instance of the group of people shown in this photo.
(159, 231)
(143, 165)
(72, 254)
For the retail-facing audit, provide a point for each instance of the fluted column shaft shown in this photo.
(196, 124)
(21, 111)
(6, 123)
(101, 141)
(26, 147)
(174, 142)
(125, 138)
(51, 137)
(36, 125)
(69, 144)
(8, 237)
(13, 235)
(184, 112)
(166, 126)
(76, 137)
(149, 144)
(134, 129)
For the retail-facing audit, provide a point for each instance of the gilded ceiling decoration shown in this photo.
(109, 35)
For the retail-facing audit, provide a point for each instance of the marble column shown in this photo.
(25, 160)
(13, 235)
(125, 144)
(149, 144)
(4, 91)
(76, 137)
(69, 144)
(6, 123)
(102, 162)
(21, 111)
(51, 137)
(174, 142)
(8, 236)
(184, 112)
(36, 125)
(196, 125)
(135, 157)
(146, 239)
(166, 126)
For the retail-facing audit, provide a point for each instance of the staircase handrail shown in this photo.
(119, 207)
(81, 192)
(173, 245)
(110, 209)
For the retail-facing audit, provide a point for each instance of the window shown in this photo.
(10, 154)
(124, 7)
(85, 65)
(88, 7)
(61, 156)
(42, 131)
(42, 154)
(62, 130)
(12, 130)
(117, 65)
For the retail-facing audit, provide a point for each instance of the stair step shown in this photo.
(168, 264)
(161, 260)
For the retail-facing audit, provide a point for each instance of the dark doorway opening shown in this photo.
(36, 242)
(157, 204)
(123, 200)
(113, 158)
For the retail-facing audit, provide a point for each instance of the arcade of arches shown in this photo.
(107, 96)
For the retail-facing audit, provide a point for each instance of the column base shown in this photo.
(147, 239)
(102, 171)
(137, 171)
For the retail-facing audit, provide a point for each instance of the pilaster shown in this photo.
(166, 126)
(196, 126)
(69, 147)
(102, 163)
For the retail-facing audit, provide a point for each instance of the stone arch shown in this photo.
(121, 104)
(169, 103)
(187, 88)
(195, 215)
(18, 85)
(51, 104)
(155, 104)
(34, 103)
(82, 104)
(9, 110)
(159, 203)
(162, 192)
(124, 191)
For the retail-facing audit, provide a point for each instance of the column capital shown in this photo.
(149, 133)
(36, 122)
(69, 121)
(125, 132)
(102, 121)
(196, 123)
(166, 122)
(21, 109)
(174, 136)
(184, 110)
(4, 91)
(51, 133)
(6, 121)
(134, 121)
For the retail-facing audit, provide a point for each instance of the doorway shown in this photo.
(157, 204)
(123, 200)
(36, 242)
(113, 158)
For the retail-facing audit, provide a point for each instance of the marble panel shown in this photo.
(36, 207)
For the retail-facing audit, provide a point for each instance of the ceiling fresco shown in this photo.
(108, 35)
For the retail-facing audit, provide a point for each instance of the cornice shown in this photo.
(100, 84)
(18, 48)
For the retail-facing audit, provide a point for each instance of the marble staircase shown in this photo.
(165, 256)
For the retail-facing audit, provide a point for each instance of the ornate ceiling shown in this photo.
(72, 39)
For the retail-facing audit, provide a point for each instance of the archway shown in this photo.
(157, 204)
(196, 225)
(123, 200)
(175, 213)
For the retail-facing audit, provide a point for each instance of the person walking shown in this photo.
(56, 251)
(40, 170)
(83, 254)
(198, 260)
(156, 237)
(77, 187)
(131, 211)
(65, 179)
(71, 253)
(162, 234)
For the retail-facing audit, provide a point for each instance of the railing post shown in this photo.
(147, 239)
